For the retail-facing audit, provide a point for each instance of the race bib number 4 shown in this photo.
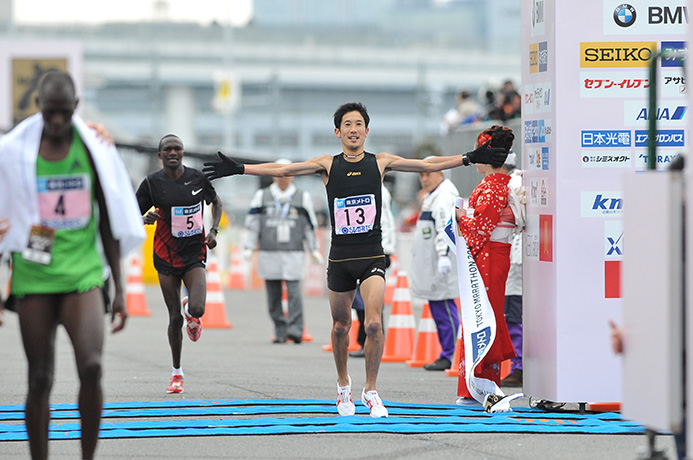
(186, 220)
(355, 214)
(64, 201)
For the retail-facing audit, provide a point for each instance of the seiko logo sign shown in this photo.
(616, 54)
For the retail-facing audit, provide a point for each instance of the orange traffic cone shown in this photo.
(135, 299)
(256, 282)
(306, 337)
(455, 367)
(315, 273)
(401, 330)
(391, 281)
(505, 368)
(215, 309)
(353, 335)
(427, 345)
(237, 275)
(459, 348)
(315, 280)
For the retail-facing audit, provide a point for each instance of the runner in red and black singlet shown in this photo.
(179, 239)
(180, 244)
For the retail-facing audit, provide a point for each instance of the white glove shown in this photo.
(247, 254)
(317, 257)
(444, 265)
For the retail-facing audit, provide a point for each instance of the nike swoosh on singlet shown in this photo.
(195, 192)
(188, 183)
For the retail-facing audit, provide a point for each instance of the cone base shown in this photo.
(219, 326)
(395, 359)
(413, 363)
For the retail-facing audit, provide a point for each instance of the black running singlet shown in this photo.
(179, 239)
(354, 199)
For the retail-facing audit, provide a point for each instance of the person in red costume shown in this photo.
(487, 226)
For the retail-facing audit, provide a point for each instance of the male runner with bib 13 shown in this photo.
(353, 180)
(180, 243)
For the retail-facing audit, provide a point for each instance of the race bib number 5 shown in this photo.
(186, 220)
(355, 214)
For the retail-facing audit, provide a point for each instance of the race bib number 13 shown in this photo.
(186, 220)
(355, 214)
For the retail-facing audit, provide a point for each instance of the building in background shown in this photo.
(292, 65)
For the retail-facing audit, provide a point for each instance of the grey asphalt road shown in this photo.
(242, 363)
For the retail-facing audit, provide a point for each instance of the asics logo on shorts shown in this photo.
(195, 192)
(378, 270)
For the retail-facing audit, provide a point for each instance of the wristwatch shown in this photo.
(216, 229)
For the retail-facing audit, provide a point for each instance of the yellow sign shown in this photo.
(533, 58)
(616, 54)
(26, 74)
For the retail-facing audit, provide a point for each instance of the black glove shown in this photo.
(486, 155)
(225, 167)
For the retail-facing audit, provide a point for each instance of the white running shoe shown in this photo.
(373, 402)
(345, 405)
(465, 401)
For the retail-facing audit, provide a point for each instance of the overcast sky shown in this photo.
(95, 11)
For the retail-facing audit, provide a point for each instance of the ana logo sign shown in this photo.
(636, 113)
(616, 54)
(625, 15)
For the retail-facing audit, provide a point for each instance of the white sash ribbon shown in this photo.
(478, 320)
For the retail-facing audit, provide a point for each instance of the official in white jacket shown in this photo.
(434, 272)
(281, 225)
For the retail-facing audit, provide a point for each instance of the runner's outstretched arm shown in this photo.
(226, 166)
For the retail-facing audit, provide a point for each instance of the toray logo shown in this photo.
(625, 15)
(616, 54)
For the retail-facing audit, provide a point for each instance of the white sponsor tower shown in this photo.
(585, 117)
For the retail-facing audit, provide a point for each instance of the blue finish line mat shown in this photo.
(237, 417)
